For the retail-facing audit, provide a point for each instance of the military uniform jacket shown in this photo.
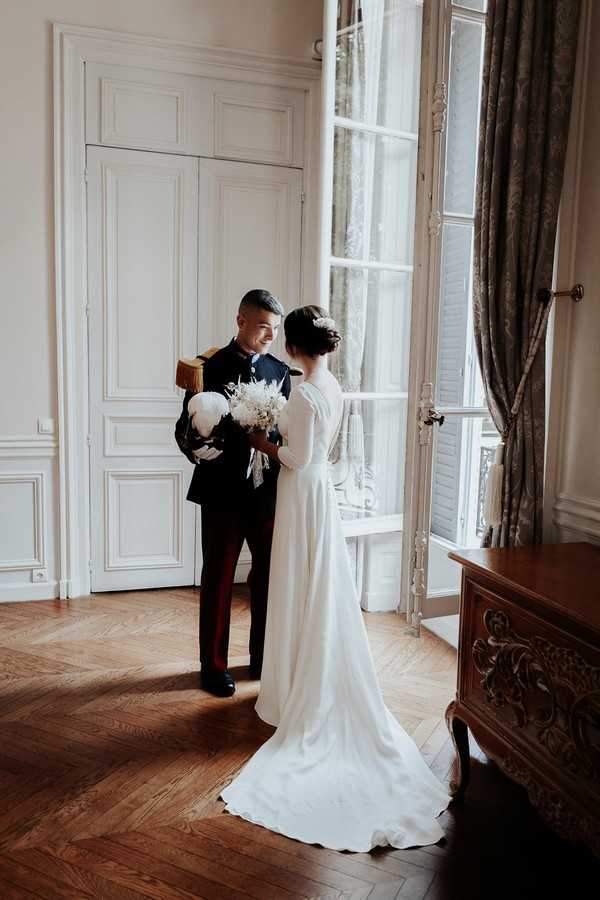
(224, 481)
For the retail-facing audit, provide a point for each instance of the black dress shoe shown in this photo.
(221, 684)
(255, 670)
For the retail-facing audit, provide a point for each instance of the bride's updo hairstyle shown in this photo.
(310, 332)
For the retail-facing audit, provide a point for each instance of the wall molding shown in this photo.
(139, 50)
(73, 47)
(30, 446)
(579, 516)
(38, 560)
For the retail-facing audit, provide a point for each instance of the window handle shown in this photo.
(428, 416)
(434, 417)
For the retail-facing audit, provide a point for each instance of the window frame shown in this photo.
(392, 522)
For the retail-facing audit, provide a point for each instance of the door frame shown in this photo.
(433, 102)
(73, 46)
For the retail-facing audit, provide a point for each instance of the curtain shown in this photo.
(528, 69)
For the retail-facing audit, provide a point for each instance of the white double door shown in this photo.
(173, 244)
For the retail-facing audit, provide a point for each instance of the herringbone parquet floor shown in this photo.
(112, 760)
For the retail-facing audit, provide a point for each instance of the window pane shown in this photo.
(373, 197)
(372, 309)
(463, 452)
(367, 464)
(455, 290)
(378, 60)
(480, 5)
(463, 112)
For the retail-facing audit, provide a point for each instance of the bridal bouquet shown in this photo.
(256, 406)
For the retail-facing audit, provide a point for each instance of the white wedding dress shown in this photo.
(339, 771)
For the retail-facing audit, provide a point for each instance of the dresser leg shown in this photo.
(460, 738)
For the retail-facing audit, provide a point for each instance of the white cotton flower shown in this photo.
(206, 410)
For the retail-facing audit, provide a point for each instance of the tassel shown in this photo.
(492, 502)
(356, 448)
(189, 374)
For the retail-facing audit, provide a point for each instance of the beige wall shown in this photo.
(27, 330)
(576, 423)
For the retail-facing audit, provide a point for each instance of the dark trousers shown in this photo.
(223, 534)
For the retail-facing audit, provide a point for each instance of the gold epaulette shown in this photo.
(190, 375)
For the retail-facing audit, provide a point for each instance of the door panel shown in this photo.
(250, 237)
(142, 277)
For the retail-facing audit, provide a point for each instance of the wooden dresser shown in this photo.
(529, 677)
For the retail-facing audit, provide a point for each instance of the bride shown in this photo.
(339, 771)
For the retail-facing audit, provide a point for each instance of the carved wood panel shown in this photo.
(541, 685)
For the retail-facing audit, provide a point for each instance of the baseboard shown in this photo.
(19, 593)
(379, 601)
(440, 603)
(71, 588)
(444, 627)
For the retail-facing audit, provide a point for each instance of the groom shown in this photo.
(233, 510)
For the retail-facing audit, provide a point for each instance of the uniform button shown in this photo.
(252, 369)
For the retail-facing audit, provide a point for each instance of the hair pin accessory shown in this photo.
(324, 322)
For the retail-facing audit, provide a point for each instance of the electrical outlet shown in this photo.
(39, 575)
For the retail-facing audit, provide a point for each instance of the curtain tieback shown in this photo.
(492, 501)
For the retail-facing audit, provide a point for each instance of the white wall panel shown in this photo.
(22, 522)
(132, 435)
(144, 229)
(259, 123)
(28, 565)
(250, 228)
(201, 116)
(144, 517)
(148, 109)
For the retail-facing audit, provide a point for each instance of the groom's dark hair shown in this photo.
(260, 299)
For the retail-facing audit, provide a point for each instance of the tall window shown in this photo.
(370, 257)
(377, 68)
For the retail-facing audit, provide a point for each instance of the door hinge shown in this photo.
(88, 440)
(90, 566)
(87, 309)
(85, 175)
(302, 197)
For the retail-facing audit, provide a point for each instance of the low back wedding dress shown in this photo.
(339, 771)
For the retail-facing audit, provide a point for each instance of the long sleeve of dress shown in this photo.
(301, 422)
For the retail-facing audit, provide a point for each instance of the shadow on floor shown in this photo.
(497, 846)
